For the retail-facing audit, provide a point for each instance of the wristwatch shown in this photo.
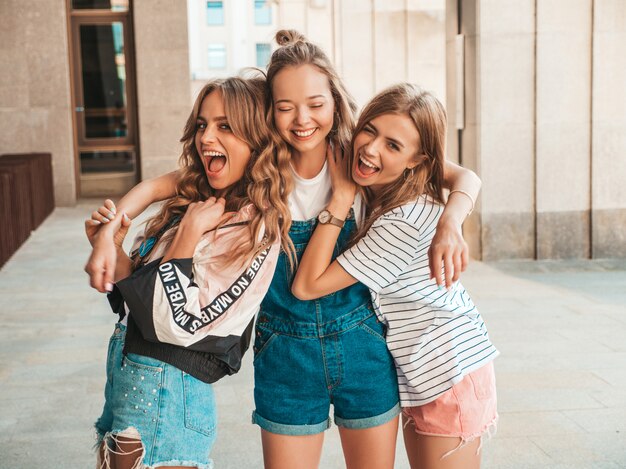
(325, 217)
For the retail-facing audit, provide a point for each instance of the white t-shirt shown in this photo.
(436, 337)
(310, 196)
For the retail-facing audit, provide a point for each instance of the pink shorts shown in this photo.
(466, 411)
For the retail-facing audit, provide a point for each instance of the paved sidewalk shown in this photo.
(560, 327)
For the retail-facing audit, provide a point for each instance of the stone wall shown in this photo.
(35, 96)
(163, 94)
(544, 125)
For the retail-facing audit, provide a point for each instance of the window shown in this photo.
(214, 13)
(217, 55)
(262, 12)
(263, 52)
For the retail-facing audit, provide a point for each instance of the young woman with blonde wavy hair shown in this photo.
(311, 354)
(188, 293)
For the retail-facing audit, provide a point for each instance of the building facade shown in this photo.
(537, 107)
(534, 91)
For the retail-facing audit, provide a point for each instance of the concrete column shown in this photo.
(426, 45)
(240, 54)
(35, 110)
(462, 92)
(390, 43)
(197, 55)
(497, 140)
(292, 15)
(318, 26)
(563, 128)
(355, 19)
(609, 129)
(163, 94)
(451, 76)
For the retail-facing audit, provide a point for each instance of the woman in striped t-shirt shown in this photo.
(437, 337)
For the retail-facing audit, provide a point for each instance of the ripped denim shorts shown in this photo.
(171, 412)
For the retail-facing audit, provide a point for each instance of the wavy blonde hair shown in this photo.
(263, 179)
(429, 117)
(295, 50)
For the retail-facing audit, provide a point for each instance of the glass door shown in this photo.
(105, 105)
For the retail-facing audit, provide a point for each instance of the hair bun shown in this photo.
(285, 37)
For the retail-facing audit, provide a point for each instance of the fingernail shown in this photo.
(105, 220)
(111, 215)
(96, 222)
(126, 218)
(108, 287)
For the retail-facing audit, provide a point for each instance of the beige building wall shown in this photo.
(608, 179)
(35, 101)
(382, 42)
(495, 135)
(163, 94)
(35, 90)
(543, 124)
(563, 130)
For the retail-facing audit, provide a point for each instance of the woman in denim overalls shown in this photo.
(311, 354)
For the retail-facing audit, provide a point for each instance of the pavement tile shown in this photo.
(539, 399)
(599, 420)
(614, 376)
(514, 453)
(515, 424)
(591, 449)
(549, 380)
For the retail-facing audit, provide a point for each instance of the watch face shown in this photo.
(324, 216)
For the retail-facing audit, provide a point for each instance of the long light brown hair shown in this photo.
(429, 117)
(263, 179)
(295, 50)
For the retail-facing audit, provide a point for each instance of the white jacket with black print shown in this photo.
(197, 313)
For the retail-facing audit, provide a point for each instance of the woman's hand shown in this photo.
(449, 250)
(105, 214)
(344, 188)
(204, 216)
(107, 245)
(199, 218)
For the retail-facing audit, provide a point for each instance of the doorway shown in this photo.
(105, 110)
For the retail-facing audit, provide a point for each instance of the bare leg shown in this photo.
(370, 447)
(127, 455)
(128, 452)
(291, 452)
(425, 452)
(101, 461)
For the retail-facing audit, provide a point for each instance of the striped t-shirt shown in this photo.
(435, 336)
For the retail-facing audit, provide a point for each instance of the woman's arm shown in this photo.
(316, 275)
(448, 249)
(101, 265)
(139, 198)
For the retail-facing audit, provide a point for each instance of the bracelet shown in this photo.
(467, 195)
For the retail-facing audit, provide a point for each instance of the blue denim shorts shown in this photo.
(173, 413)
(299, 374)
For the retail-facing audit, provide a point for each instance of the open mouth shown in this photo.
(215, 161)
(304, 134)
(366, 168)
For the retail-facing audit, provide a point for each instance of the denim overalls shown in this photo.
(310, 354)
